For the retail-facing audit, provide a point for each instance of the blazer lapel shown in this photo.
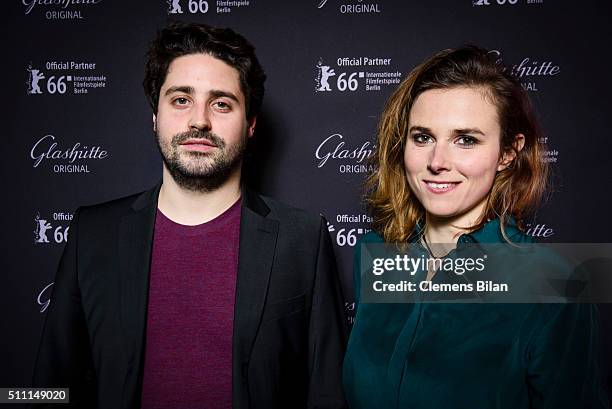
(258, 235)
(135, 246)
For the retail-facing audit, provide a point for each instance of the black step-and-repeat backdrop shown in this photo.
(78, 128)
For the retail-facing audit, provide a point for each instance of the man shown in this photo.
(197, 293)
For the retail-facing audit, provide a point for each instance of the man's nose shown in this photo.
(200, 118)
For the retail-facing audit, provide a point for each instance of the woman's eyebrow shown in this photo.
(424, 129)
(419, 129)
(468, 130)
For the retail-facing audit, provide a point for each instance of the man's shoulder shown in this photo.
(113, 208)
(287, 213)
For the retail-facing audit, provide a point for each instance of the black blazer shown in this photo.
(289, 332)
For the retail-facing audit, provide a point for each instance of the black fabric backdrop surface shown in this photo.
(78, 128)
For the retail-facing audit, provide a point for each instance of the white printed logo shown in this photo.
(202, 6)
(324, 72)
(352, 160)
(44, 297)
(503, 2)
(40, 233)
(34, 78)
(365, 76)
(59, 9)
(46, 148)
(174, 7)
(356, 7)
(348, 236)
(487, 3)
(540, 230)
(193, 6)
(330, 227)
(350, 312)
(53, 85)
(529, 69)
(64, 76)
(44, 227)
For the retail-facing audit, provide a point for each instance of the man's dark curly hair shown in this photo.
(180, 38)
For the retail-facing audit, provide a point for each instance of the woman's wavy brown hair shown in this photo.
(516, 191)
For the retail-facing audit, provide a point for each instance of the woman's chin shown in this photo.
(442, 213)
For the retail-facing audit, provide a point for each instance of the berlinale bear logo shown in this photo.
(324, 72)
(33, 80)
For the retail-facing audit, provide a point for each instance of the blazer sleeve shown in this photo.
(64, 355)
(357, 274)
(563, 359)
(327, 331)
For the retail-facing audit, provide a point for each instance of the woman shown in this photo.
(458, 162)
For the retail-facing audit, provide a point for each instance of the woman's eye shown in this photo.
(467, 140)
(421, 138)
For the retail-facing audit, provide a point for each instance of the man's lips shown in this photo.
(198, 142)
(442, 186)
(203, 145)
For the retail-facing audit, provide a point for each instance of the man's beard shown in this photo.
(201, 171)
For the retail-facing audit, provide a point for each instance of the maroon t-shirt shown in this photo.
(188, 353)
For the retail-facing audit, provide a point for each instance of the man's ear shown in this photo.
(251, 126)
(154, 123)
(510, 155)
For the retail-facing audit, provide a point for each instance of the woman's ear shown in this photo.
(510, 155)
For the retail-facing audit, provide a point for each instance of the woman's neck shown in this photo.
(448, 229)
(439, 232)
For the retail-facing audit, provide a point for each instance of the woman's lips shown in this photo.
(440, 187)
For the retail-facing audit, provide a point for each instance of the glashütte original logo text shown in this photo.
(47, 149)
(58, 9)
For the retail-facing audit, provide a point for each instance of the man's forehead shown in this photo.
(201, 63)
(200, 71)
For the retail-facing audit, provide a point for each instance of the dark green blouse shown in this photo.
(473, 356)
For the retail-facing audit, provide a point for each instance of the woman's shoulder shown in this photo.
(492, 232)
(519, 236)
(371, 237)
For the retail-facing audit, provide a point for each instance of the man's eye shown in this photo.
(181, 101)
(422, 138)
(222, 105)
